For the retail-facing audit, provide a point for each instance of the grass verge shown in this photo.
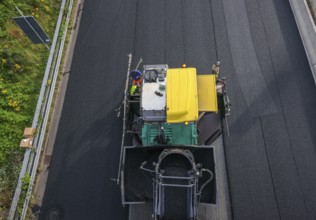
(311, 9)
(22, 65)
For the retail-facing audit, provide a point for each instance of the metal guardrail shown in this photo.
(41, 115)
(307, 30)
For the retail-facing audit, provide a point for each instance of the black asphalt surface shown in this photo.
(270, 154)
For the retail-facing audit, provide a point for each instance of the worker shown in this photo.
(215, 69)
(136, 77)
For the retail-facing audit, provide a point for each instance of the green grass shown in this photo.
(22, 66)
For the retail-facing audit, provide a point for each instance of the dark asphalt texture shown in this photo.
(270, 154)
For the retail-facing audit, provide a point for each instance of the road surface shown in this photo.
(270, 155)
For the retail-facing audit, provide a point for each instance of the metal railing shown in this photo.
(41, 115)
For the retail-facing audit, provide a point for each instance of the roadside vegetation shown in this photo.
(312, 8)
(22, 66)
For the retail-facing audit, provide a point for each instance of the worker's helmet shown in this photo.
(218, 63)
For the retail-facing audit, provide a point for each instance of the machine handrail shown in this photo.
(177, 177)
(176, 185)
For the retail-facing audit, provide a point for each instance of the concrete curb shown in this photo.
(307, 31)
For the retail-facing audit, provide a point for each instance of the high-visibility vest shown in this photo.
(133, 89)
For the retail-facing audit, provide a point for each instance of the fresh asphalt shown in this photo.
(270, 155)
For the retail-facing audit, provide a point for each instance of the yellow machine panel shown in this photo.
(182, 96)
(207, 96)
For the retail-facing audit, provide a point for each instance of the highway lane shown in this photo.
(270, 154)
(87, 146)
